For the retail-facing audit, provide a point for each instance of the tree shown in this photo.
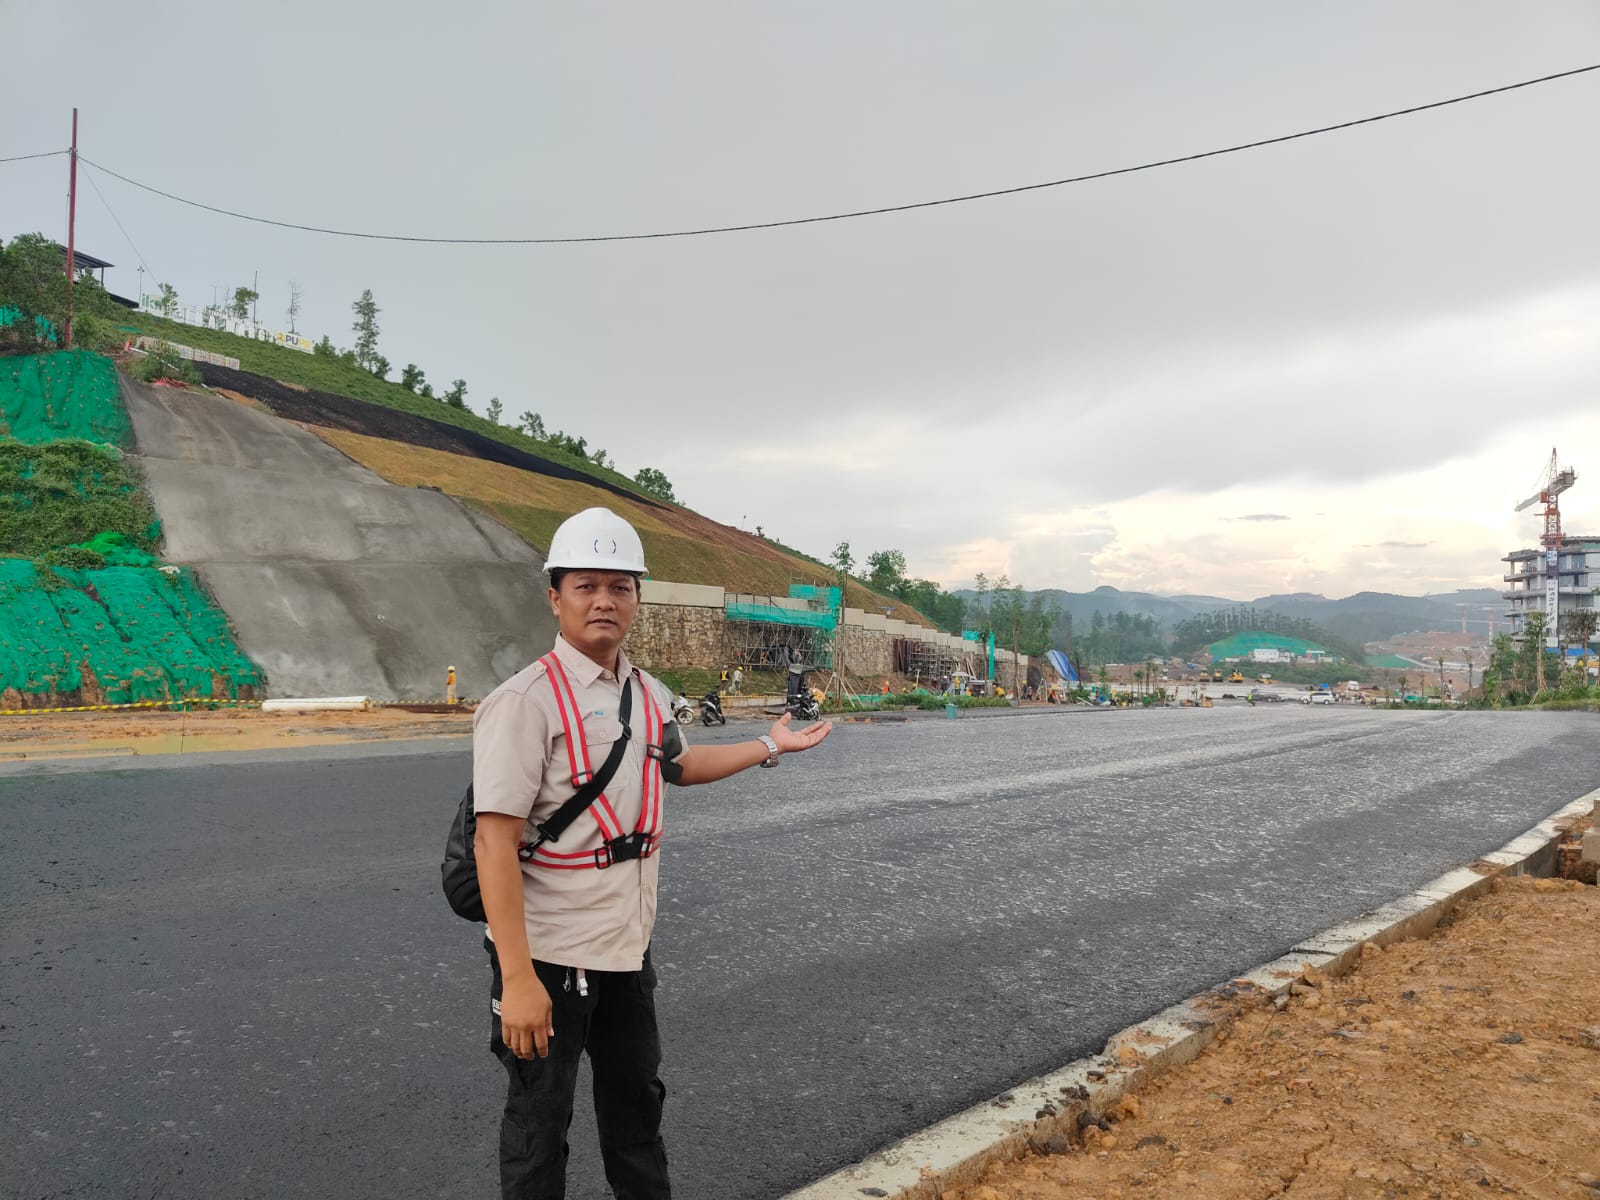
(426, 391)
(169, 301)
(494, 409)
(656, 483)
(1578, 627)
(456, 397)
(243, 298)
(886, 571)
(31, 279)
(366, 328)
(1533, 632)
(843, 560)
(325, 348)
(295, 292)
(411, 377)
(532, 424)
(380, 367)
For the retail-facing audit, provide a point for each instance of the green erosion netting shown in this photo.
(115, 550)
(67, 394)
(113, 635)
(1239, 645)
(1393, 662)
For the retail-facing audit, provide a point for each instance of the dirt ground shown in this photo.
(1463, 1065)
(71, 735)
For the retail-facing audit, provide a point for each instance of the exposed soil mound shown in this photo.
(1463, 1065)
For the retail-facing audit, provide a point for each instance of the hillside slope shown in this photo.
(531, 486)
(680, 545)
(335, 580)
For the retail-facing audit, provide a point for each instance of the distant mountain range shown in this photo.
(1363, 617)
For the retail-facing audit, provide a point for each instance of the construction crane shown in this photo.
(1555, 482)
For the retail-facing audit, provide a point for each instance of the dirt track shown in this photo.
(1463, 1065)
(73, 735)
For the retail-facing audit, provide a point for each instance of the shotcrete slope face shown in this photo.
(336, 582)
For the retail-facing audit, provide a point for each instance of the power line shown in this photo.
(865, 212)
(89, 175)
(25, 157)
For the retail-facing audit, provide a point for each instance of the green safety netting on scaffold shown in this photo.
(70, 394)
(113, 635)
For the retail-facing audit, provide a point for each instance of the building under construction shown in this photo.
(1560, 577)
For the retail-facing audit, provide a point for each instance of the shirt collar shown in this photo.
(584, 669)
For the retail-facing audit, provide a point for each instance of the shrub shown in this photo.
(163, 361)
(76, 558)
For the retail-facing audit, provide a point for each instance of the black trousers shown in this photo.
(616, 1024)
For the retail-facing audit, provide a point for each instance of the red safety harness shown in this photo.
(618, 846)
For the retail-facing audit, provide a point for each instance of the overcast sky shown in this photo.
(1324, 366)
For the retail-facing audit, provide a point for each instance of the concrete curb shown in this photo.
(956, 1152)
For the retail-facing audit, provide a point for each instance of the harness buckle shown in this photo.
(526, 850)
(622, 849)
(651, 750)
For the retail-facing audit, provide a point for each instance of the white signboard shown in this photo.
(1552, 597)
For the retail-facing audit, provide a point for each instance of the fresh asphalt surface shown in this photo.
(239, 979)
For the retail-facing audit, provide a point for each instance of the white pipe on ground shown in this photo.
(319, 704)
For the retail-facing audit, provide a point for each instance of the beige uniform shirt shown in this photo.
(598, 919)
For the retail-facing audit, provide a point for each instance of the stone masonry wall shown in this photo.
(868, 653)
(676, 635)
(695, 637)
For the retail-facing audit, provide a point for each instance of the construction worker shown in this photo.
(570, 920)
(737, 681)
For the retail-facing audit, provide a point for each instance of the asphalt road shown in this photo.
(240, 980)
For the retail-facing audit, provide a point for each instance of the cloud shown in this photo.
(1260, 517)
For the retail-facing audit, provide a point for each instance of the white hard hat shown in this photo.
(595, 540)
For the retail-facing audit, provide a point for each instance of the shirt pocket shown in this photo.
(601, 731)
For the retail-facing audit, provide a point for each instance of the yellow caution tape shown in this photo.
(34, 712)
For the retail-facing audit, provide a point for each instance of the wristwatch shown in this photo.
(772, 750)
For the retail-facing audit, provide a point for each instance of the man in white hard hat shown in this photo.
(570, 919)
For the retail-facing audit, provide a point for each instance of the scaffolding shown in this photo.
(927, 662)
(769, 633)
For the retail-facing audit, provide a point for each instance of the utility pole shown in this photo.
(72, 221)
(141, 285)
(1016, 664)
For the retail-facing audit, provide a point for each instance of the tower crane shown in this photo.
(1556, 480)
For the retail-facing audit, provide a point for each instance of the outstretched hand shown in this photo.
(792, 741)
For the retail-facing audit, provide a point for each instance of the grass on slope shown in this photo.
(331, 375)
(64, 493)
(680, 546)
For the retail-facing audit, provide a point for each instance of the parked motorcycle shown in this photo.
(711, 709)
(803, 708)
(683, 709)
